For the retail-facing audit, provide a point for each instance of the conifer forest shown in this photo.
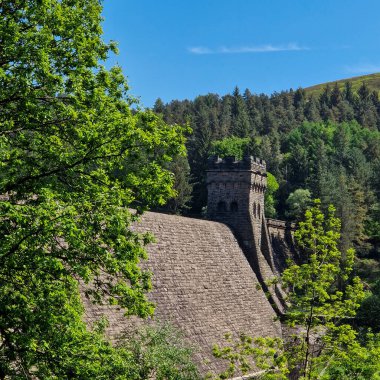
(324, 146)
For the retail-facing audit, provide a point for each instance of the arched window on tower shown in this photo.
(254, 210)
(234, 206)
(258, 210)
(222, 207)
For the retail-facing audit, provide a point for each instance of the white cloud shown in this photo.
(363, 69)
(200, 50)
(246, 49)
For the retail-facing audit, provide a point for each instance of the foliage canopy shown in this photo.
(326, 143)
(323, 297)
(67, 130)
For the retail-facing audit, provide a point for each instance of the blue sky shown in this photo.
(176, 49)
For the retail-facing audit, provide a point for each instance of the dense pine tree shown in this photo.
(305, 141)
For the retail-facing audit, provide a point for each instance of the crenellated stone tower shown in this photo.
(236, 197)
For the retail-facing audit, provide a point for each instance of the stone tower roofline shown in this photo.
(230, 163)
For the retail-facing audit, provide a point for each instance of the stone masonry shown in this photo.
(209, 275)
(202, 284)
(236, 197)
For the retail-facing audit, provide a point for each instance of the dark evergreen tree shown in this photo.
(325, 104)
(225, 118)
(345, 111)
(240, 119)
(366, 112)
(159, 106)
(336, 96)
(348, 93)
(311, 110)
(183, 186)
(199, 146)
(320, 157)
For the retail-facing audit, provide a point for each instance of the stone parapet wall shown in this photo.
(281, 224)
(282, 242)
(280, 227)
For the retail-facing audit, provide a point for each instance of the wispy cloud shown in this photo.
(363, 68)
(200, 50)
(246, 49)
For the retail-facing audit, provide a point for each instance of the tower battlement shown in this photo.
(229, 163)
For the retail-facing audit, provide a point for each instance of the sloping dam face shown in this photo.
(202, 284)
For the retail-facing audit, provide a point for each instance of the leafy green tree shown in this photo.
(360, 361)
(66, 128)
(368, 313)
(43, 335)
(321, 292)
(270, 199)
(231, 146)
(159, 352)
(297, 202)
(270, 122)
(244, 353)
(323, 297)
(270, 359)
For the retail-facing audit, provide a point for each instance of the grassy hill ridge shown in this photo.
(372, 81)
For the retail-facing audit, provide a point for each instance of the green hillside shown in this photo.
(372, 81)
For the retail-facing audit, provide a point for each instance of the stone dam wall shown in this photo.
(202, 284)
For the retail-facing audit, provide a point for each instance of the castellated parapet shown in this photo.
(230, 162)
